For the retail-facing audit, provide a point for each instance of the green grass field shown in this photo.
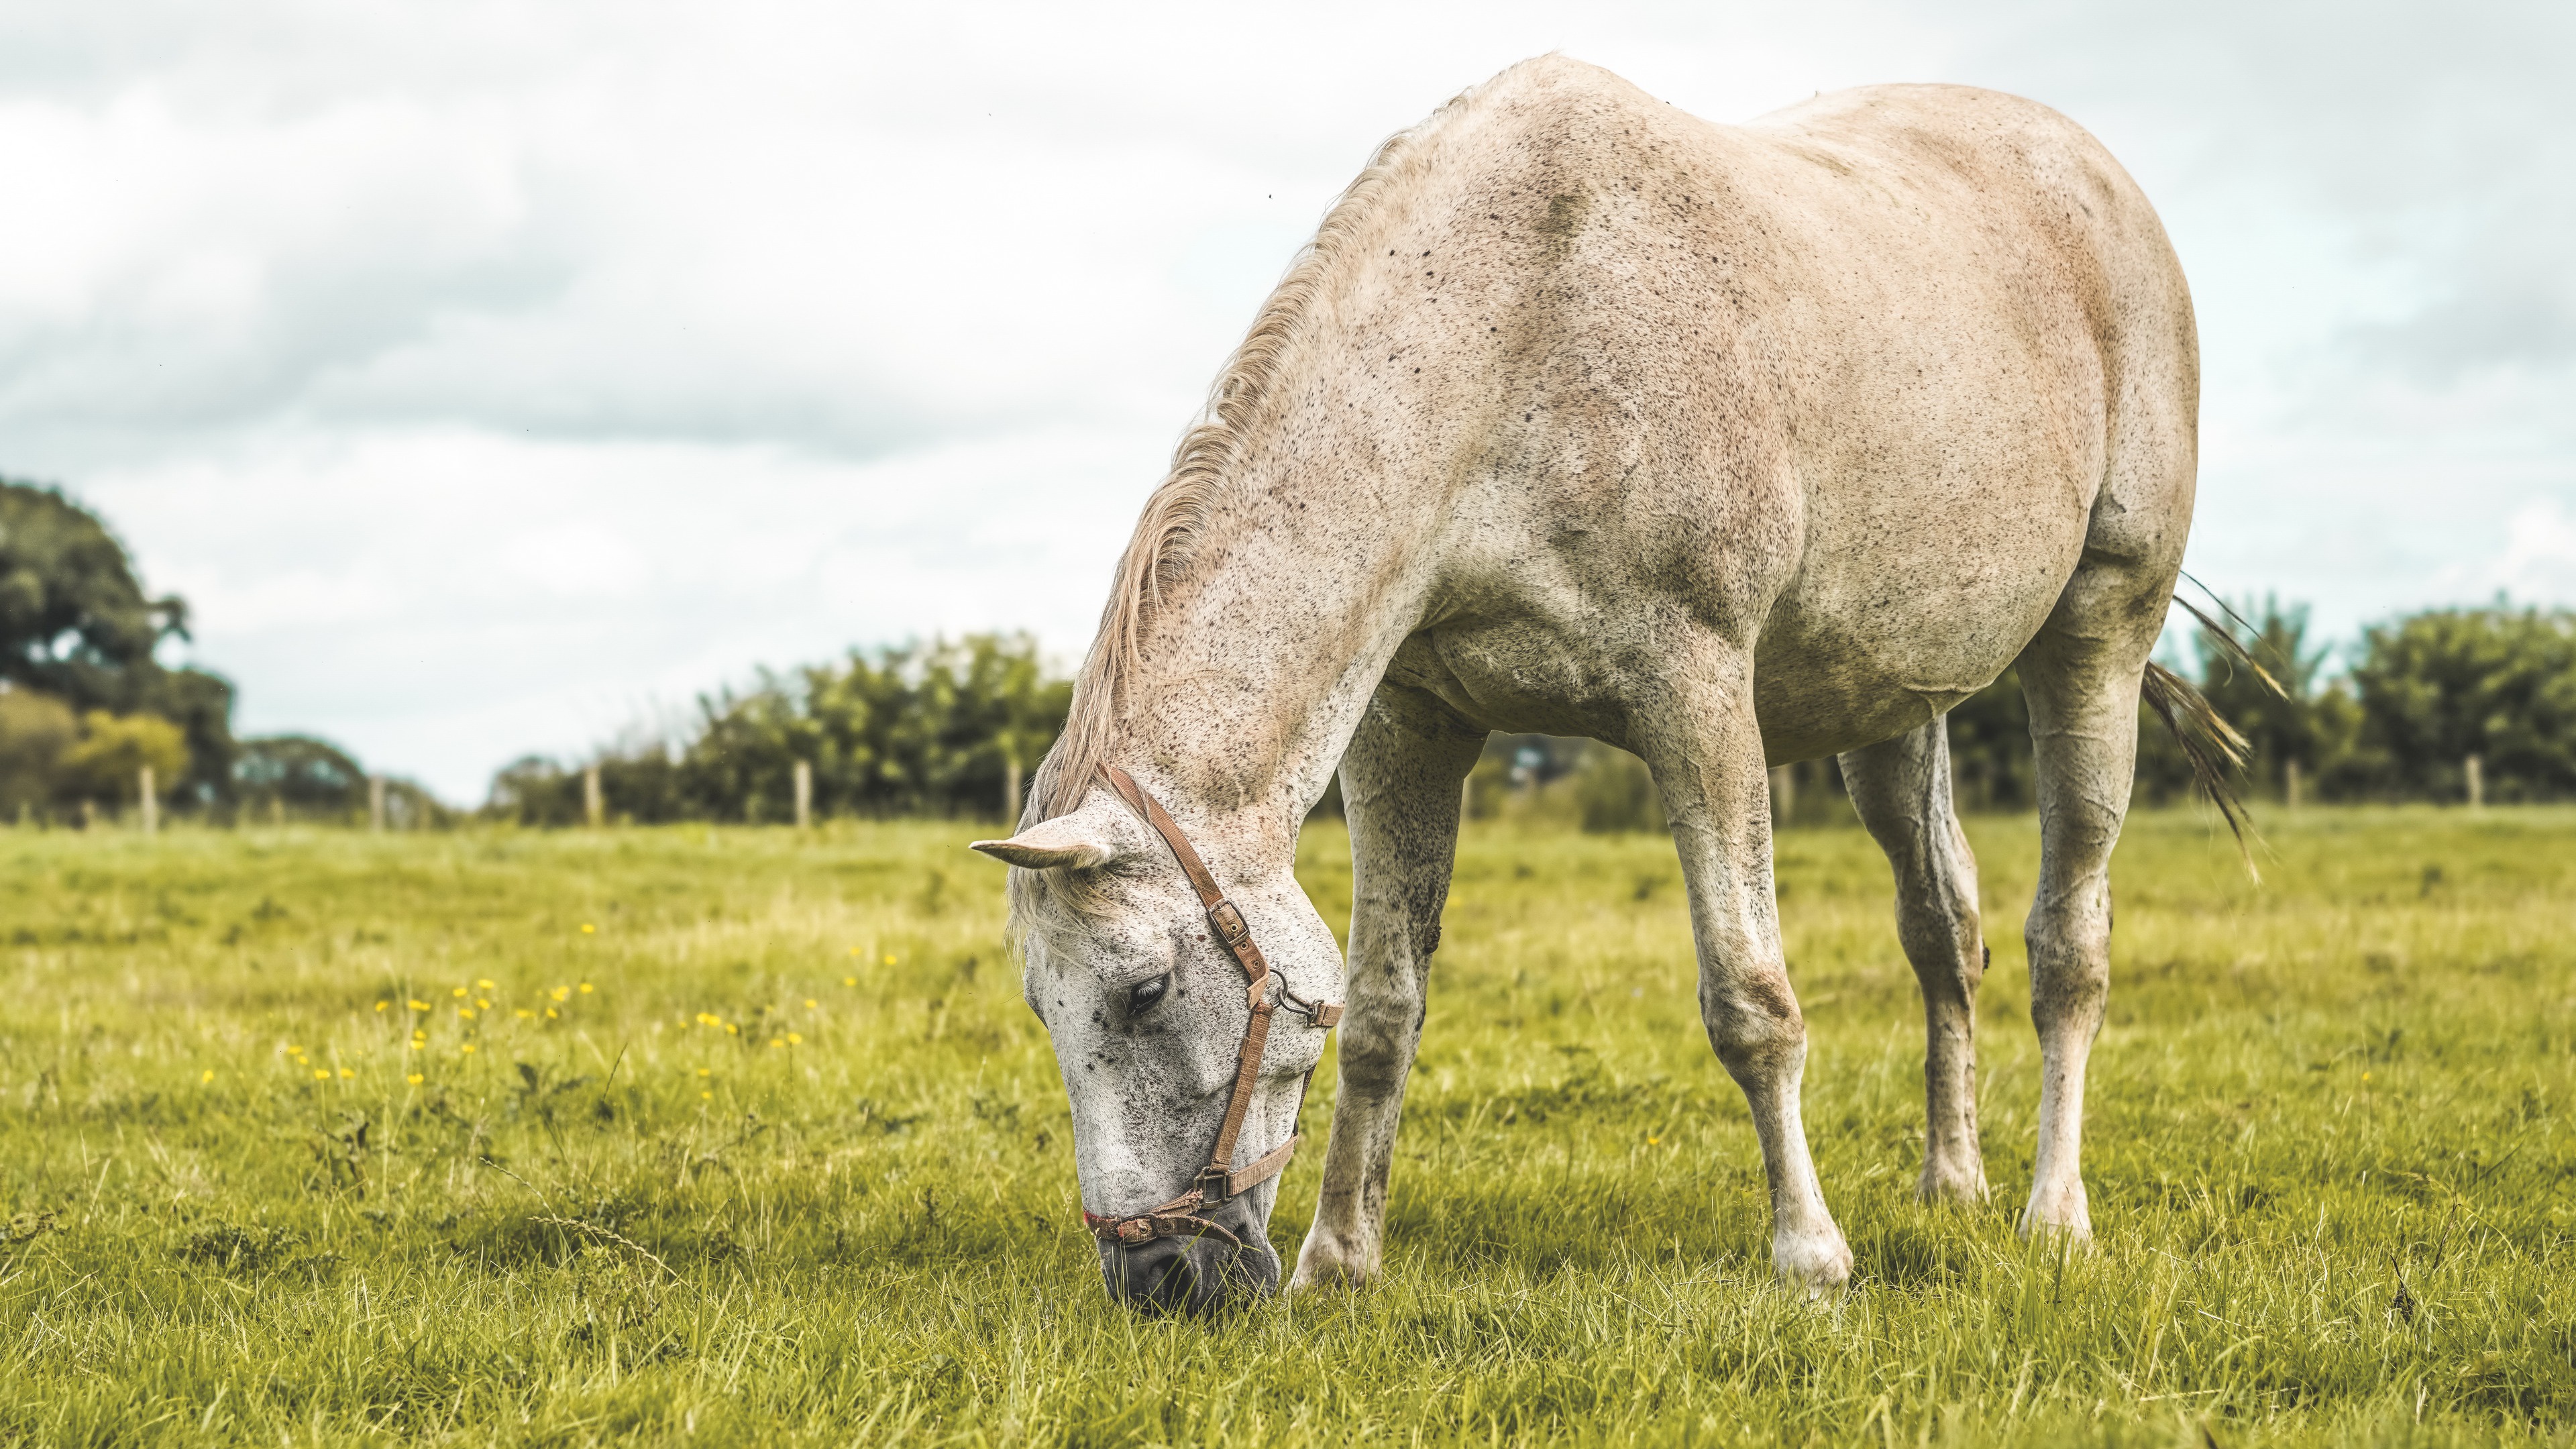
(747, 1138)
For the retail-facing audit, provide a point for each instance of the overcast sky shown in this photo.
(494, 377)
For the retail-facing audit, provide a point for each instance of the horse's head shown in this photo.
(1150, 1012)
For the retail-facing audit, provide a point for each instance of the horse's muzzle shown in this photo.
(1198, 1275)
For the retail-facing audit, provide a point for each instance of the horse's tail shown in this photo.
(2214, 747)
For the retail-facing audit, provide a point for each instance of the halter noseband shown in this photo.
(1218, 1181)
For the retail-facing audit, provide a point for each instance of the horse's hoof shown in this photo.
(2059, 1217)
(1952, 1185)
(1818, 1263)
(1324, 1271)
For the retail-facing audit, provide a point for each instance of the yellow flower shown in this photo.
(706, 1071)
(417, 1044)
(320, 1075)
(478, 1001)
(849, 981)
(469, 1046)
(344, 1071)
(560, 993)
(381, 1005)
(732, 1030)
(417, 1005)
(587, 928)
(209, 1076)
(854, 950)
(778, 1041)
(810, 1002)
(483, 985)
(465, 1012)
(1654, 1142)
(414, 1079)
(552, 1014)
(795, 1039)
(889, 960)
(526, 1014)
(460, 991)
(585, 988)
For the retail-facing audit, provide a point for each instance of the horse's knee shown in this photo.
(1754, 1023)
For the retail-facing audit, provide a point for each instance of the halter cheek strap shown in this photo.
(1219, 1180)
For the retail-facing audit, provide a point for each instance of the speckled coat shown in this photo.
(1731, 445)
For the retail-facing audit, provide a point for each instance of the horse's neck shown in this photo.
(1255, 670)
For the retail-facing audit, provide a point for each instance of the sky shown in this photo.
(495, 379)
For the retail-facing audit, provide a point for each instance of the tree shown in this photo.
(107, 761)
(300, 774)
(35, 730)
(2498, 683)
(76, 623)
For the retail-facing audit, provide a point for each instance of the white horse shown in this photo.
(1731, 445)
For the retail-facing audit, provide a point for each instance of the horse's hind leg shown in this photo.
(1901, 788)
(1400, 790)
(2081, 678)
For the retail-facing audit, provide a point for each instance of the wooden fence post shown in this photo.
(804, 794)
(375, 802)
(2477, 772)
(151, 800)
(593, 808)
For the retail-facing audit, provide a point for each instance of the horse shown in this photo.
(1731, 446)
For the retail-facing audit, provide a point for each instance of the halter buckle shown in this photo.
(1229, 923)
(1215, 1185)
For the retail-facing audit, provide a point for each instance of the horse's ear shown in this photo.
(1051, 845)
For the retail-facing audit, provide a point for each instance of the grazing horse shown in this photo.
(1728, 445)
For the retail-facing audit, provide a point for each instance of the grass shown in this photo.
(754, 1142)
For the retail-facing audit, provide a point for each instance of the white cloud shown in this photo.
(488, 375)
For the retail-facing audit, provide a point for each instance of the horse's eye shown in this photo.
(1146, 993)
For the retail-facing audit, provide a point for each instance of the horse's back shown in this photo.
(1961, 328)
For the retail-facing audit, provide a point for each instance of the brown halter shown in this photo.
(1218, 1181)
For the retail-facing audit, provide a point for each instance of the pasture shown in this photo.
(735, 1136)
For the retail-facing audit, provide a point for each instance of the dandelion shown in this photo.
(585, 988)
(552, 1014)
(889, 960)
(209, 1076)
(732, 1030)
(320, 1075)
(344, 1071)
(417, 1044)
(795, 1039)
(2365, 1076)
(465, 1012)
(710, 1096)
(459, 991)
(526, 1015)
(779, 1042)
(485, 1005)
(561, 993)
(469, 1046)
(1654, 1142)
(382, 1005)
(706, 1071)
(483, 985)
(417, 1005)
(854, 950)
(849, 981)
(587, 928)
(414, 1079)
(809, 1003)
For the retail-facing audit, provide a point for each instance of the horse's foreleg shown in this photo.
(2082, 683)
(1901, 788)
(1706, 753)
(1400, 791)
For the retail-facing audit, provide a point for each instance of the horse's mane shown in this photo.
(1178, 513)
